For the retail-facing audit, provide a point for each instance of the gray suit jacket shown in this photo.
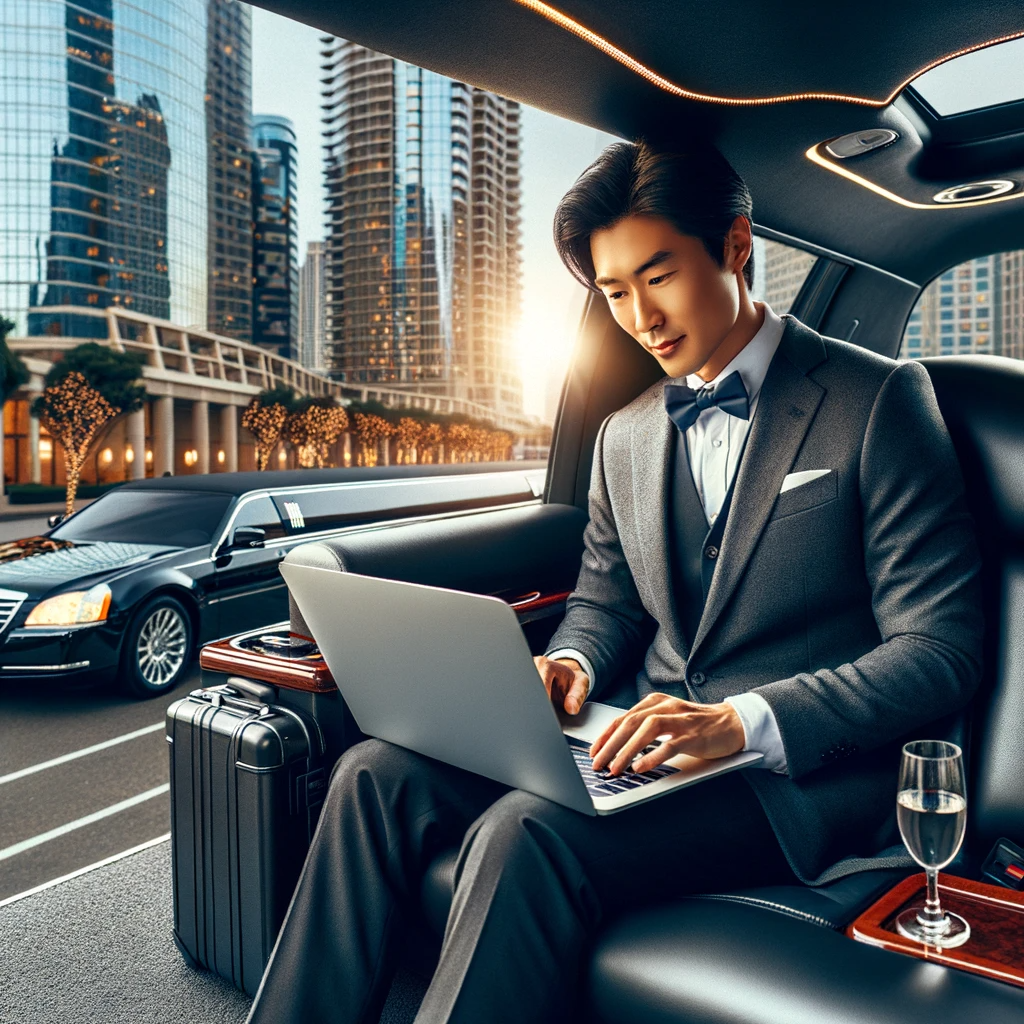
(850, 603)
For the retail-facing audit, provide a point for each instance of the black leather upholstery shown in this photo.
(703, 962)
(982, 402)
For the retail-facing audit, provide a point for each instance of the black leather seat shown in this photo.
(777, 955)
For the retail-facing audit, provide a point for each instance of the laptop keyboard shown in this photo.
(603, 783)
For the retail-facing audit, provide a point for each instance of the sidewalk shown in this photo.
(9, 512)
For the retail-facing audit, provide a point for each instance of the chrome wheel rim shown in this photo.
(161, 649)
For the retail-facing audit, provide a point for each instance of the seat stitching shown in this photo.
(801, 915)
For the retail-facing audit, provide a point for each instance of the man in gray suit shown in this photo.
(786, 512)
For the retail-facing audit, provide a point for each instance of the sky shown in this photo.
(286, 80)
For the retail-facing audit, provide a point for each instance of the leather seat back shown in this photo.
(982, 402)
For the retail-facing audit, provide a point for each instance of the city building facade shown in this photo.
(103, 127)
(196, 385)
(420, 294)
(312, 306)
(229, 197)
(275, 253)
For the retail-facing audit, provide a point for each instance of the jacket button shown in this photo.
(711, 551)
(698, 679)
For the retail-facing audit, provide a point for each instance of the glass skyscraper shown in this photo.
(104, 161)
(275, 260)
(423, 241)
(229, 133)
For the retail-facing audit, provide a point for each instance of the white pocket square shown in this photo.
(803, 477)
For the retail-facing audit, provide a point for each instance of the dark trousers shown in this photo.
(533, 883)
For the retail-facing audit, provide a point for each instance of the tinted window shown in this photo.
(779, 273)
(176, 518)
(260, 512)
(976, 307)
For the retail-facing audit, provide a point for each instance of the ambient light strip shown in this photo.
(815, 157)
(572, 26)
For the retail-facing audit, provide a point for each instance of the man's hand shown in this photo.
(701, 730)
(566, 682)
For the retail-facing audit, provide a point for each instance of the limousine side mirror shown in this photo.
(55, 519)
(248, 537)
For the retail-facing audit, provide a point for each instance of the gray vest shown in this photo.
(695, 543)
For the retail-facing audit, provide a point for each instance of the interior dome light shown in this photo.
(974, 190)
(858, 143)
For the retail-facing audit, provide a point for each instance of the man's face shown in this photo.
(665, 290)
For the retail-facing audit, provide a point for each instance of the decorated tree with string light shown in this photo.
(500, 445)
(430, 441)
(408, 432)
(265, 423)
(370, 429)
(457, 442)
(312, 428)
(75, 414)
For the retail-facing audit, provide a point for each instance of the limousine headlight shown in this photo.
(75, 608)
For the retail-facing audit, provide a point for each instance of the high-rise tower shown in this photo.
(229, 196)
(275, 271)
(104, 130)
(312, 293)
(423, 232)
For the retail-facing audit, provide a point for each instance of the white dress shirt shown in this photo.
(714, 444)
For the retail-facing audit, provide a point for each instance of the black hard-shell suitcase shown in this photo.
(247, 782)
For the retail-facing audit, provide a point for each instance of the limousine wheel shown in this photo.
(157, 648)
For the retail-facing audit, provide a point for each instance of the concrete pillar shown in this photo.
(135, 438)
(229, 437)
(163, 436)
(201, 435)
(36, 469)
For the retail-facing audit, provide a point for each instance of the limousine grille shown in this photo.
(10, 602)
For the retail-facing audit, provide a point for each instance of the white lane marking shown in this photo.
(83, 871)
(60, 830)
(64, 758)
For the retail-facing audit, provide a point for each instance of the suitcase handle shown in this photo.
(262, 692)
(221, 696)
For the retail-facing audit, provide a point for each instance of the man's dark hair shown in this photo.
(696, 191)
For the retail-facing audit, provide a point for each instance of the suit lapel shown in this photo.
(651, 452)
(786, 406)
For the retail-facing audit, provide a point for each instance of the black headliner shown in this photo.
(755, 50)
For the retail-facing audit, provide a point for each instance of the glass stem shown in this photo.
(931, 916)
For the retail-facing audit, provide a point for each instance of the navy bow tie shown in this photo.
(684, 405)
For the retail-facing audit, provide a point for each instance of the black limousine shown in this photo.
(127, 587)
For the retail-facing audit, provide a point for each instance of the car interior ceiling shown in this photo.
(875, 254)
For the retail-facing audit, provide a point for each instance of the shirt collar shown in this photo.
(752, 360)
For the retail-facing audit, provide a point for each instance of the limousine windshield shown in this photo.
(175, 518)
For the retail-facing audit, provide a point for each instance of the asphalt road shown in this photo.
(56, 818)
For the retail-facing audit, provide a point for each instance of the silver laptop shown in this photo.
(449, 675)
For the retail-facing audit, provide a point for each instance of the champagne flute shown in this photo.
(931, 808)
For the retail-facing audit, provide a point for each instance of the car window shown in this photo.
(175, 518)
(976, 308)
(259, 511)
(447, 315)
(779, 272)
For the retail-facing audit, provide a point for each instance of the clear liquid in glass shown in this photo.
(932, 824)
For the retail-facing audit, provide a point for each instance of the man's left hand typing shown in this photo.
(701, 730)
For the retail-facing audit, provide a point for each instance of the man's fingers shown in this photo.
(610, 747)
(577, 693)
(648, 732)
